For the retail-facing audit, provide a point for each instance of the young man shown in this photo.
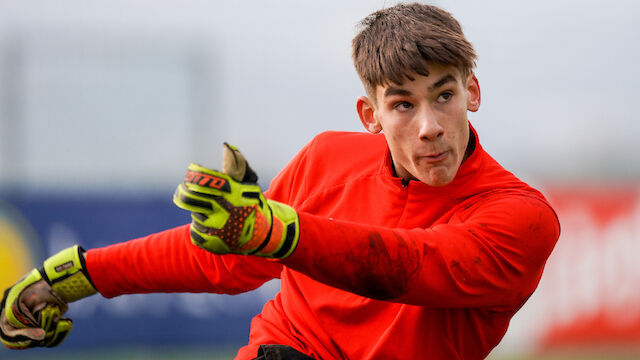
(410, 242)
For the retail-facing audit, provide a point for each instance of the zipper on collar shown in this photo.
(404, 182)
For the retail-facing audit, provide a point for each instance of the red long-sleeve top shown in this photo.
(383, 269)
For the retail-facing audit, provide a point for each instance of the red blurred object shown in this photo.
(600, 230)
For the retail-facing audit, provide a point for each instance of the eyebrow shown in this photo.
(392, 90)
(445, 79)
(396, 91)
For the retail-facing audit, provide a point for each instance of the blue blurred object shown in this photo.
(135, 320)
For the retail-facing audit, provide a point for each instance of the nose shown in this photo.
(429, 127)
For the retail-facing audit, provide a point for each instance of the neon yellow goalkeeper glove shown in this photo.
(231, 215)
(32, 309)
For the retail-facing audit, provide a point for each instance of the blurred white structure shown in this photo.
(115, 93)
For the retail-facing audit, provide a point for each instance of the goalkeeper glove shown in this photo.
(231, 215)
(31, 310)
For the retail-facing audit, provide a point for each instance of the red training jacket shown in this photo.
(383, 270)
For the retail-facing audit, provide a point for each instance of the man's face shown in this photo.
(425, 122)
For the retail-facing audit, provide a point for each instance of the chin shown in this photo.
(437, 183)
(437, 179)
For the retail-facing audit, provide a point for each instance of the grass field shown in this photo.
(194, 353)
(123, 353)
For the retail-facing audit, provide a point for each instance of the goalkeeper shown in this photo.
(405, 242)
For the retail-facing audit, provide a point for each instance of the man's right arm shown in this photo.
(31, 311)
(169, 262)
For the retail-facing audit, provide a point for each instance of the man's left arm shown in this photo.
(494, 258)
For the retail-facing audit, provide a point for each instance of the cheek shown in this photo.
(396, 135)
(459, 132)
(463, 138)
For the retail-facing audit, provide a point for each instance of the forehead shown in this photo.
(438, 76)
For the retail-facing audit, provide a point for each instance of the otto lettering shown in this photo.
(204, 180)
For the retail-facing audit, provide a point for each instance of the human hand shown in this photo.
(31, 310)
(230, 213)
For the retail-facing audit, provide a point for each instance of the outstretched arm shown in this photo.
(168, 262)
(31, 311)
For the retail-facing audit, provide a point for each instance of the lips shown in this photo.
(436, 157)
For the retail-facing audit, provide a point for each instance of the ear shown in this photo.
(473, 89)
(366, 111)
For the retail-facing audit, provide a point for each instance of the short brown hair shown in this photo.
(396, 42)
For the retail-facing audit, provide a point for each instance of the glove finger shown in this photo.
(17, 342)
(17, 315)
(235, 165)
(200, 219)
(41, 293)
(200, 236)
(197, 238)
(22, 315)
(191, 201)
(62, 329)
(18, 338)
(49, 316)
(205, 204)
(35, 298)
(35, 334)
(198, 226)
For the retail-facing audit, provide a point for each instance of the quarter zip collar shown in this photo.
(468, 169)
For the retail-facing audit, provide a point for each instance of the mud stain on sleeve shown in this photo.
(372, 270)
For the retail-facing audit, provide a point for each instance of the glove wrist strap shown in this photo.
(67, 274)
(284, 233)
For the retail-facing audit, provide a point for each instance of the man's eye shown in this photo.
(444, 97)
(403, 105)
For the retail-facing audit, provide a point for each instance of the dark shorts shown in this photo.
(280, 352)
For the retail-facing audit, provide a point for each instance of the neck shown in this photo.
(471, 145)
